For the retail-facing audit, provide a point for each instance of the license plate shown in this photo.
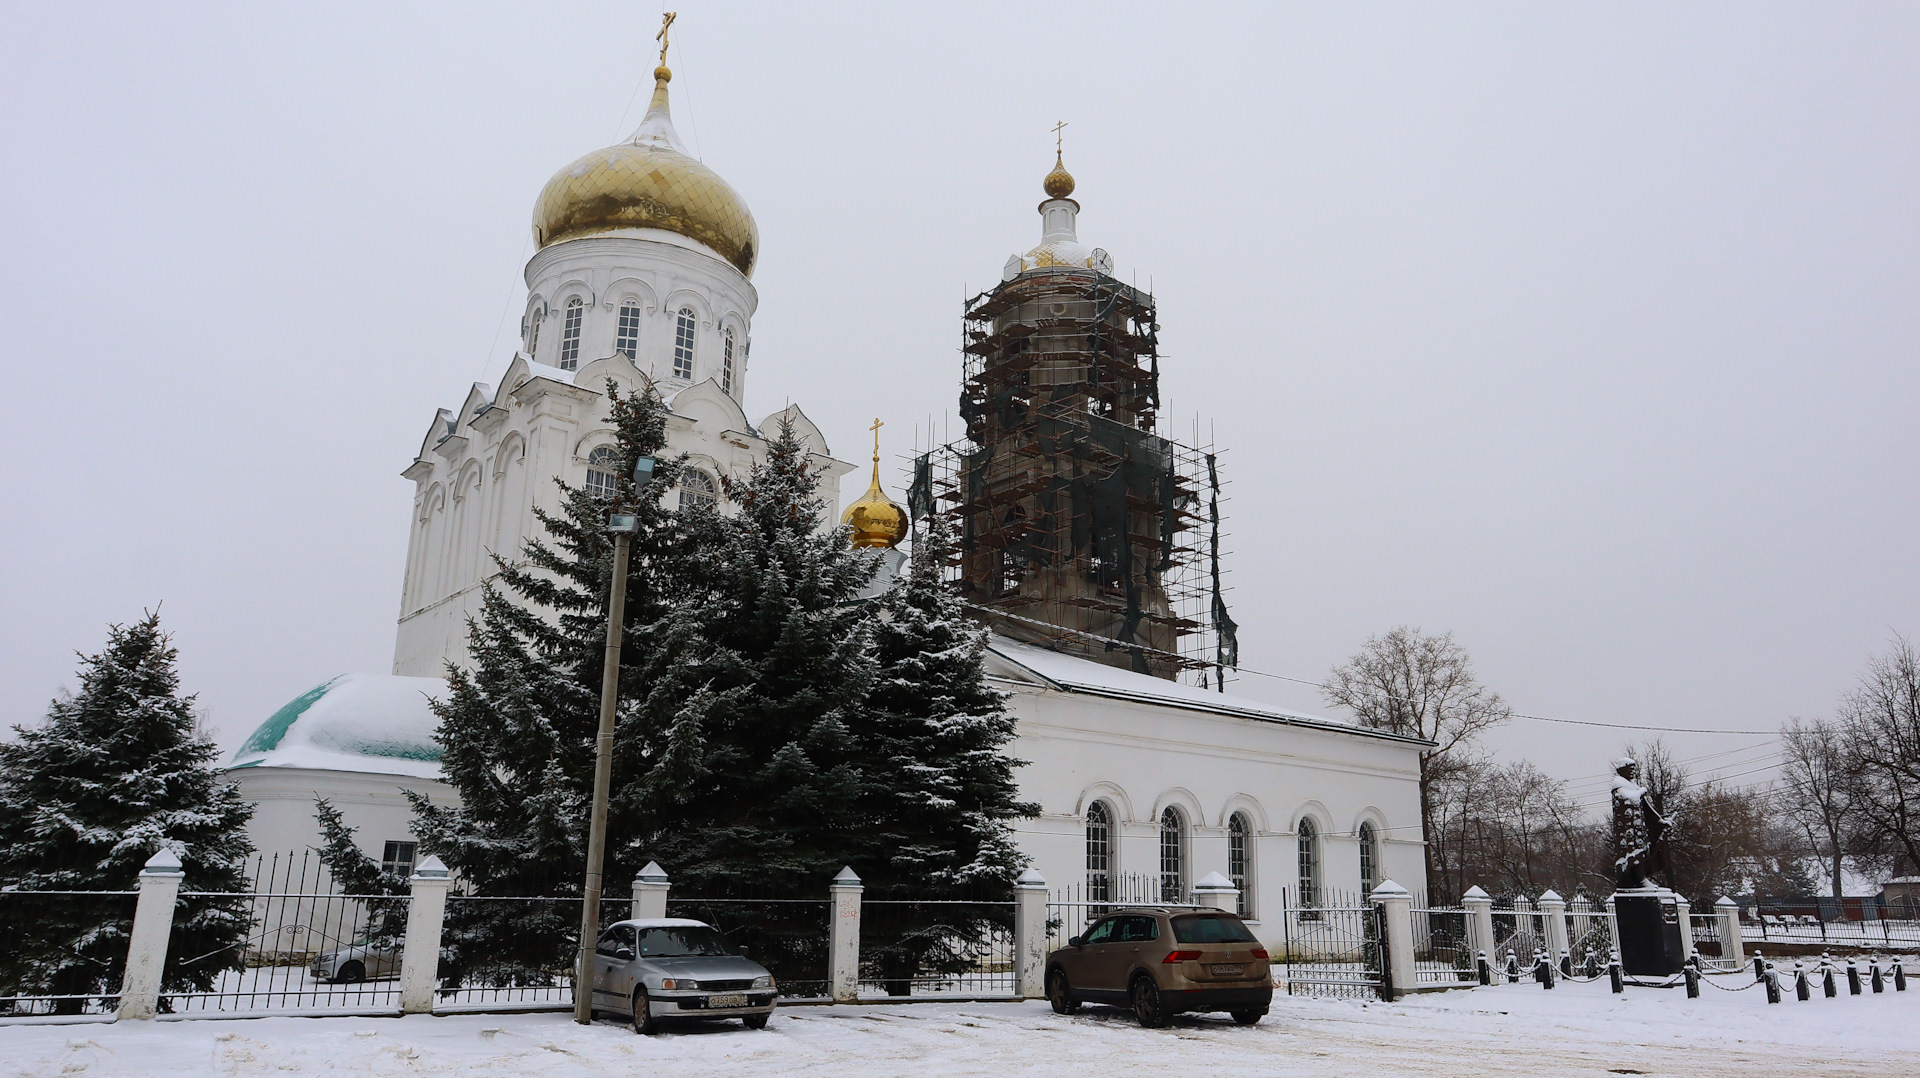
(1228, 971)
(731, 999)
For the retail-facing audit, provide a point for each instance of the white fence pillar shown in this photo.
(152, 927)
(1217, 891)
(1733, 949)
(1399, 929)
(1030, 934)
(1686, 927)
(843, 936)
(420, 958)
(1479, 907)
(650, 889)
(1553, 910)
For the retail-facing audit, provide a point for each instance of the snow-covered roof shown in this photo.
(1070, 673)
(374, 723)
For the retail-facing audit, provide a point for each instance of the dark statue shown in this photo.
(1639, 831)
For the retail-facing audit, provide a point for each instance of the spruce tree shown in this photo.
(118, 772)
(354, 873)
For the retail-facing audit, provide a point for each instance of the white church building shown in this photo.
(643, 276)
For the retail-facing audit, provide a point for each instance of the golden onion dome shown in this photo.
(648, 181)
(1059, 182)
(875, 519)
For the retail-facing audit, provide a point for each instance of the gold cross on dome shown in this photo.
(1057, 137)
(876, 438)
(666, 21)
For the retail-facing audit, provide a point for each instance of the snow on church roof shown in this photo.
(354, 722)
(1073, 674)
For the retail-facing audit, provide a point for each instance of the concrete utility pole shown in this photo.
(622, 522)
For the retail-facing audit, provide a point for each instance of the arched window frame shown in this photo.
(570, 334)
(685, 335)
(726, 362)
(698, 490)
(534, 318)
(1173, 854)
(1369, 857)
(1100, 866)
(603, 472)
(1308, 834)
(626, 338)
(1240, 859)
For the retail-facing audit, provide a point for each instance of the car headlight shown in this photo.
(763, 982)
(681, 984)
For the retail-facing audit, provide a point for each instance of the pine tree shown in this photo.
(354, 873)
(118, 772)
(941, 787)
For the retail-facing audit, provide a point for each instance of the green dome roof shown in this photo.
(354, 722)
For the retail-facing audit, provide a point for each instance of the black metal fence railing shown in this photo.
(63, 952)
(788, 935)
(513, 949)
(938, 946)
(1853, 924)
(1441, 952)
(1330, 946)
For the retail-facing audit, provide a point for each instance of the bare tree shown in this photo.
(1814, 792)
(1881, 719)
(1416, 685)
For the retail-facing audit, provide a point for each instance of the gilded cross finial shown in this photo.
(876, 438)
(1058, 139)
(666, 21)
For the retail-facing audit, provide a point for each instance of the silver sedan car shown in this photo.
(672, 969)
(356, 962)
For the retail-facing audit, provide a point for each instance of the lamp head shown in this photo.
(642, 472)
(623, 521)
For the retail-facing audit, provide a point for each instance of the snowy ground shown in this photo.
(1575, 1029)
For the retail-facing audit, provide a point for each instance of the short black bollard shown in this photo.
(1899, 976)
(1801, 988)
(1853, 977)
(1613, 975)
(1693, 981)
(1513, 969)
(1759, 966)
(1873, 975)
(1486, 970)
(1826, 979)
(1593, 964)
(1542, 969)
(1566, 962)
(1773, 986)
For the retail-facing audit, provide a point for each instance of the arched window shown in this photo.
(1309, 866)
(533, 335)
(1173, 855)
(626, 338)
(602, 472)
(1099, 852)
(726, 364)
(570, 335)
(1369, 858)
(683, 344)
(697, 490)
(1240, 858)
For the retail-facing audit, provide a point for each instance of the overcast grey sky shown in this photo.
(1584, 331)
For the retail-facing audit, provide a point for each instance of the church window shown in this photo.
(726, 364)
(603, 473)
(570, 335)
(1369, 858)
(398, 858)
(533, 336)
(1309, 837)
(627, 338)
(1239, 856)
(683, 344)
(1099, 852)
(697, 490)
(1173, 855)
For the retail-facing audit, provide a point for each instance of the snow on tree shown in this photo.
(354, 873)
(940, 783)
(118, 772)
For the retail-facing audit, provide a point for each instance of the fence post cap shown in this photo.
(1390, 889)
(164, 863)
(1031, 878)
(1213, 881)
(1551, 896)
(430, 869)
(847, 878)
(1473, 892)
(1725, 902)
(653, 873)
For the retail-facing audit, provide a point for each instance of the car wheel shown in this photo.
(350, 973)
(756, 1021)
(1246, 1018)
(1058, 995)
(1147, 1006)
(643, 1022)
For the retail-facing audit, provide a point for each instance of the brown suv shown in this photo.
(1161, 962)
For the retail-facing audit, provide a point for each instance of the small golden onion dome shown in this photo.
(649, 181)
(1059, 182)
(875, 519)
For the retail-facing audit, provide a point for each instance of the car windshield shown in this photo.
(1221, 929)
(681, 941)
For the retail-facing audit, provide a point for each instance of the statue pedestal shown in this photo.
(1649, 923)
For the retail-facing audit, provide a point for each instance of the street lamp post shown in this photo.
(623, 523)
